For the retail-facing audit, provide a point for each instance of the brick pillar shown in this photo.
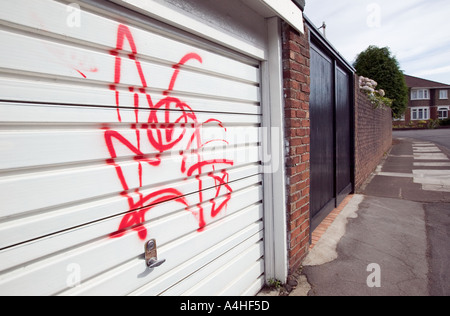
(296, 73)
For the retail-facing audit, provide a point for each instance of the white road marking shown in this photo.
(424, 144)
(396, 174)
(432, 164)
(431, 180)
(426, 150)
(434, 156)
(435, 187)
(441, 177)
(402, 156)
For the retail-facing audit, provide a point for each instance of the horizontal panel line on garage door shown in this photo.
(250, 261)
(60, 149)
(25, 193)
(51, 220)
(189, 162)
(215, 257)
(90, 96)
(117, 281)
(47, 127)
(68, 244)
(70, 97)
(128, 73)
(254, 277)
(53, 242)
(148, 43)
(230, 84)
(208, 269)
(64, 51)
(43, 114)
(101, 256)
(69, 127)
(46, 225)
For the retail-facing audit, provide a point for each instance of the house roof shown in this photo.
(414, 82)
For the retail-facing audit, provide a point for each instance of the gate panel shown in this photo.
(343, 135)
(322, 133)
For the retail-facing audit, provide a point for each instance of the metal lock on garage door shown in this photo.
(151, 255)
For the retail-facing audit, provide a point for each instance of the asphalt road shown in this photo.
(438, 136)
(437, 216)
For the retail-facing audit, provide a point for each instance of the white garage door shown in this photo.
(114, 133)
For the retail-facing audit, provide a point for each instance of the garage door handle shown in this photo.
(151, 255)
(154, 263)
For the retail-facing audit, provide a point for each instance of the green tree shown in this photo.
(380, 65)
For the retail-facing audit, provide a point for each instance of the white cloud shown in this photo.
(436, 71)
(415, 30)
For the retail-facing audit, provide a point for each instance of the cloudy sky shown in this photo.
(417, 31)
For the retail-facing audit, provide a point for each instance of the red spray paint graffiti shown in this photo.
(170, 122)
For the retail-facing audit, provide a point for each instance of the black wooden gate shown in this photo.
(332, 141)
(344, 135)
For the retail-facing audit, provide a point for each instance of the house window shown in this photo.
(443, 94)
(443, 112)
(402, 118)
(419, 114)
(420, 94)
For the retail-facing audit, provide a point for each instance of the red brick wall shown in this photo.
(373, 138)
(296, 66)
(373, 133)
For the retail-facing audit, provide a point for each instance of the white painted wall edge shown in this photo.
(287, 11)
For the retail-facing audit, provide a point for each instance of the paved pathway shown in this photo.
(398, 230)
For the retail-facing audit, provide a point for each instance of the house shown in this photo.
(427, 100)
